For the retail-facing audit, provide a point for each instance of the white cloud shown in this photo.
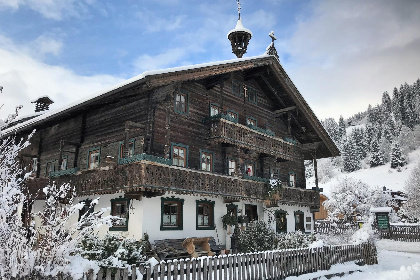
(52, 9)
(25, 78)
(160, 61)
(346, 54)
(151, 22)
(12, 4)
(47, 45)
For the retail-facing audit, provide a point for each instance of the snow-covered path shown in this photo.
(394, 263)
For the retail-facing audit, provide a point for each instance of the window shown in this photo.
(292, 179)
(214, 110)
(179, 155)
(281, 221)
(34, 164)
(206, 160)
(64, 160)
(275, 173)
(232, 167)
(251, 212)
(129, 151)
(93, 158)
(250, 121)
(249, 169)
(252, 95)
(232, 210)
(83, 217)
(205, 214)
(181, 103)
(237, 88)
(308, 224)
(299, 221)
(171, 218)
(119, 208)
(49, 168)
(232, 116)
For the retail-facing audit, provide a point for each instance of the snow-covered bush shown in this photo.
(16, 255)
(56, 238)
(294, 240)
(112, 250)
(257, 237)
(366, 233)
(49, 248)
(351, 198)
(412, 188)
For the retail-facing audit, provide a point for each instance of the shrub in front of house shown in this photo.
(294, 240)
(257, 237)
(112, 250)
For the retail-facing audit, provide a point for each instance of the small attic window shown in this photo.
(42, 104)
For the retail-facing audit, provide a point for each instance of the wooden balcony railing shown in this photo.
(225, 131)
(154, 177)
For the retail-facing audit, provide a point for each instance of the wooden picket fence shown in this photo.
(326, 227)
(401, 233)
(252, 266)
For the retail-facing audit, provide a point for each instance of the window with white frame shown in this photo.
(214, 110)
(292, 179)
(249, 169)
(232, 166)
(181, 103)
(93, 158)
(179, 155)
(206, 161)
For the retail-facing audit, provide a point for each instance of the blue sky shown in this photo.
(341, 55)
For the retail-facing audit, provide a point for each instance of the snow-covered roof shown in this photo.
(380, 209)
(110, 90)
(239, 28)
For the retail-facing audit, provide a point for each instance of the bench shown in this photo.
(192, 247)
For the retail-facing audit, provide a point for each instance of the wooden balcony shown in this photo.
(226, 131)
(155, 178)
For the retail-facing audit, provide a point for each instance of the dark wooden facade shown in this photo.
(143, 110)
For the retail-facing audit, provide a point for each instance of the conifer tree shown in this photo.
(396, 105)
(332, 128)
(341, 127)
(386, 104)
(376, 157)
(350, 156)
(397, 159)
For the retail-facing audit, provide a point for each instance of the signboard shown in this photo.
(382, 219)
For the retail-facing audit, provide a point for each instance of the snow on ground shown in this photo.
(392, 265)
(378, 176)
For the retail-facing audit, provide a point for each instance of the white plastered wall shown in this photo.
(145, 217)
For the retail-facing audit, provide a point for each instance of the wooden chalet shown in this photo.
(172, 151)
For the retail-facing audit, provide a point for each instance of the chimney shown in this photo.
(42, 103)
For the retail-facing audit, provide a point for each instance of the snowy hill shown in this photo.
(380, 176)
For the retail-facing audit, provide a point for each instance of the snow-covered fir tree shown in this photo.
(397, 159)
(351, 161)
(376, 156)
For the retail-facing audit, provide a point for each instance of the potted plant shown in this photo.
(242, 220)
(228, 220)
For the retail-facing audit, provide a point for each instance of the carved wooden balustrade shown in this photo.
(225, 131)
(154, 177)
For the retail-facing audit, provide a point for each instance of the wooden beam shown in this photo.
(280, 112)
(311, 146)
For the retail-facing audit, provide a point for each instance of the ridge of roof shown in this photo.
(101, 93)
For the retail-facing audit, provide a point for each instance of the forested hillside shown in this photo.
(378, 145)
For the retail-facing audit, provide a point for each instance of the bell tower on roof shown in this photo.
(239, 36)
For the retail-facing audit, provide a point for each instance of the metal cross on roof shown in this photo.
(272, 36)
(239, 8)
